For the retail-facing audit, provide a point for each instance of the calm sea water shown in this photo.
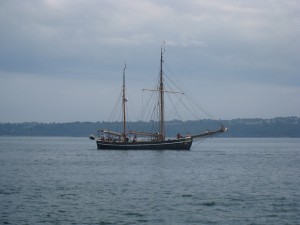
(220, 181)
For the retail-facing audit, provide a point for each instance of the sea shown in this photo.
(66, 180)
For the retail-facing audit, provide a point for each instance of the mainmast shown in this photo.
(161, 97)
(124, 105)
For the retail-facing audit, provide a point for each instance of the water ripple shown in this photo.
(227, 181)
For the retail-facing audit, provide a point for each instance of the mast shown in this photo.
(161, 97)
(124, 105)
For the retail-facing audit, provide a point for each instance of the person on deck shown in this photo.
(134, 139)
(102, 137)
(179, 136)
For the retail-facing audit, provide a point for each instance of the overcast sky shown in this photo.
(62, 60)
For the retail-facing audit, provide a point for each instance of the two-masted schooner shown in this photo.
(112, 140)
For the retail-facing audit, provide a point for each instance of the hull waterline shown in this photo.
(184, 144)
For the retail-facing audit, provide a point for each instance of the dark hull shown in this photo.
(182, 144)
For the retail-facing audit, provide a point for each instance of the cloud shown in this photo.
(215, 42)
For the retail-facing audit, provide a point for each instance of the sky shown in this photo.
(62, 60)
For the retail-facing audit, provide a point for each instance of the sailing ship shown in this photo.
(113, 140)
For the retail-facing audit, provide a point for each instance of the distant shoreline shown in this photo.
(280, 127)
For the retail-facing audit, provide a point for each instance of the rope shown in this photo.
(189, 96)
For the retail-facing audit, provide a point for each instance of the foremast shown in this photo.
(161, 97)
